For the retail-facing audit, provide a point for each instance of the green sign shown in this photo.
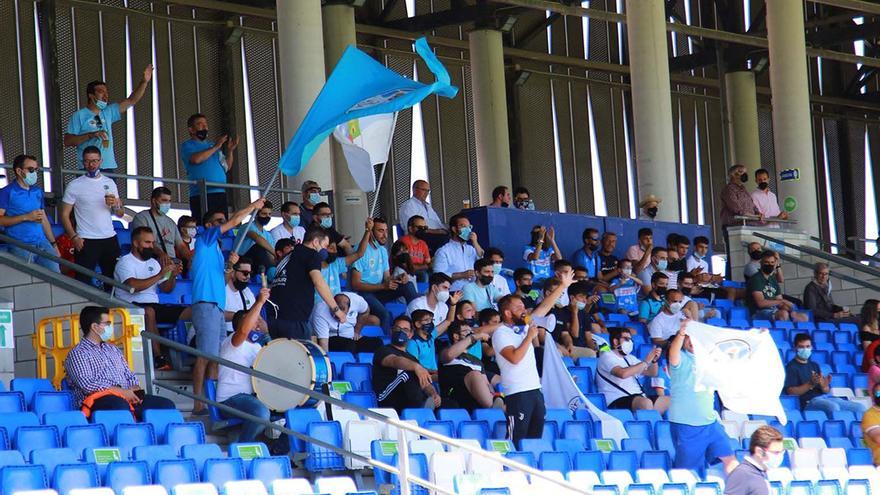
(605, 446)
(341, 387)
(106, 456)
(249, 451)
(789, 444)
(388, 448)
(608, 298)
(501, 446)
(789, 204)
(7, 340)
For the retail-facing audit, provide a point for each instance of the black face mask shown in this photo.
(402, 259)
(686, 290)
(202, 134)
(877, 401)
(331, 257)
(148, 253)
(239, 285)
(504, 204)
(755, 255)
(486, 280)
(471, 322)
(743, 178)
(767, 269)
(263, 220)
(421, 232)
(764, 186)
(652, 212)
(661, 291)
(525, 288)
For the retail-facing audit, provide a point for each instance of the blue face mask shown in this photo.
(804, 353)
(314, 198)
(323, 254)
(662, 264)
(428, 328)
(164, 208)
(399, 338)
(327, 222)
(465, 233)
(101, 104)
(30, 178)
(256, 336)
(107, 333)
(581, 305)
(294, 221)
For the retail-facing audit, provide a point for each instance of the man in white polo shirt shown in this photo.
(346, 336)
(513, 343)
(668, 320)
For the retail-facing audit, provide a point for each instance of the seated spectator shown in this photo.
(659, 263)
(874, 369)
(436, 234)
(693, 309)
(336, 336)
(817, 297)
(607, 260)
(418, 248)
(437, 301)
(578, 320)
(653, 303)
(322, 216)
(235, 388)
(482, 292)
(522, 277)
(335, 267)
(869, 331)
(753, 266)
(562, 268)
(709, 284)
(311, 197)
(764, 297)
(649, 207)
(624, 291)
(188, 230)
(539, 258)
(258, 243)
(466, 316)
(804, 378)
(421, 342)
(289, 228)
(618, 373)
(500, 197)
(871, 425)
(399, 380)
(400, 264)
(240, 297)
(456, 258)
(488, 318)
(22, 216)
(522, 200)
(141, 271)
(640, 253)
(463, 378)
(580, 273)
(588, 254)
(765, 200)
(499, 281)
(167, 236)
(678, 248)
(97, 373)
(668, 320)
(766, 451)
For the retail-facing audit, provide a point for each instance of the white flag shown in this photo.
(560, 392)
(366, 142)
(743, 366)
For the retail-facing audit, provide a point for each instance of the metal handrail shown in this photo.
(823, 255)
(857, 254)
(366, 413)
(756, 218)
(67, 264)
(834, 274)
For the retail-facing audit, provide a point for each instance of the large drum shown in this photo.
(297, 361)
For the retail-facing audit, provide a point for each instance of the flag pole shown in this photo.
(240, 240)
(382, 173)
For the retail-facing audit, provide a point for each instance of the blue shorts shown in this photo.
(697, 446)
(210, 327)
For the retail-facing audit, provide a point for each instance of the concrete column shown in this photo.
(652, 105)
(351, 203)
(742, 110)
(490, 112)
(792, 122)
(301, 61)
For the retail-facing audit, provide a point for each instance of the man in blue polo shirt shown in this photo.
(93, 124)
(22, 215)
(205, 159)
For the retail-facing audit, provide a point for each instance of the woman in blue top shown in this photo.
(541, 259)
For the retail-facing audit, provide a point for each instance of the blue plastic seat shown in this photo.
(491, 416)
(638, 429)
(4, 439)
(582, 431)
(339, 359)
(583, 378)
(589, 460)
(839, 443)
(63, 419)
(790, 402)
(13, 420)
(834, 428)
(47, 402)
(111, 418)
(623, 460)
(418, 467)
(151, 454)
(551, 432)
(160, 419)
(843, 415)
(663, 437)
(557, 416)
(269, 469)
(445, 428)
(29, 387)
(366, 400)
(381, 476)
(554, 461)
(365, 357)
(29, 438)
(11, 458)
(214, 412)
(129, 436)
(81, 437)
(219, 471)
(419, 414)
(637, 445)
(454, 415)
(526, 458)
(50, 458)
(21, 478)
(359, 375)
(535, 446)
(12, 402)
(70, 476)
(122, 474)
(494, 491)
(298, 420)
(859, 457)
(656, 459)
(179, 434)
(598, 400)
(320, 458)
(475, 430)
(621, 414)
(648, 415)
(170, 473)
(571, 447)
(200, 453)
(808, 429)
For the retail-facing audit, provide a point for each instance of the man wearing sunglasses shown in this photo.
(239, 297)
(22, 215)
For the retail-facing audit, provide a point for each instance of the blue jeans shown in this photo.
(829, 404)
(33, 258)
(249, 404)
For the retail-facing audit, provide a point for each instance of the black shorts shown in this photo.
(626, 401)
(165, 313)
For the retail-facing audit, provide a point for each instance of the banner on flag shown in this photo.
(358, 87)
(365, 142)
(743, 366)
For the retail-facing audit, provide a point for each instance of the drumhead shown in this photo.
(289, 360)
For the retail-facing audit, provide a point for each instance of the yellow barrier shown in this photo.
(59, 348)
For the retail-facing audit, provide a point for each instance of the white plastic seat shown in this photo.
(869, 473)
(812, 443)
(295, 486)
(708, 490)
(866, 402)
(466, 453)
(541, 485)
(470, 483)
(738, 418)
(804, 458)
(832, 458)
(443, 467)
(732, 428)
(655, 477)
(807, 474)
(244, 487)
(425, 446)
(96, 491)
(620, 478)
(800, 490)
(857, 489)
(46, 491)
(359, 435)
(716, 474)
(685, 476)
(389, 432)
(145, 490)
(844, 392)
(480, 465)
(335, 485)
(194, 489)
(749, 427)
(835, 473)
(343, 416)
(515, 481)
(584, 479)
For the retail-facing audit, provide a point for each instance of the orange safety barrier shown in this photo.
(59, 348)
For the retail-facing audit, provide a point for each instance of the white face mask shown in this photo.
(675, 307)
(627, 271)
(443, 296)
(774, 460)
(626, 346)
(497, 267)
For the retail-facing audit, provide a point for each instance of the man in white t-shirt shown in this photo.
(513, 343)
(92, 198)
(668, 320)
(437, 300)
(238, 295)
(500, 282)
(290, 226)
(235, 388)
(346, 336)
(618, 373)
(141, 271)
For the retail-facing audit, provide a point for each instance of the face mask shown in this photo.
(504, 204)
(877, 398)
(581, 305)
(326, 222)
(764, 186)
(323, 254)
(698, 256)
(201, 135)
(804, 353)
(525, 288)
(148, 253)
(421, 232)
(465, 233)
(399, 338)
(627, 271)
(256, 336)
(471, 322)
(675, 307)
(755, 255)
(314, 198)
(486, 280)
(626, 347)
(661, 291)
(239, 285)
(331, 257)
(263, 220)
(107, 333)
(443, 296)
(686, 290)
(30, 178)
(164, 208)
(428, 327)
(768, 269)
(524, 204)
(743, 178)
(101, 104)
(652, 212)
(497, 267)
(662, 265)
(293, 221)
(190, 231)
(774, 460)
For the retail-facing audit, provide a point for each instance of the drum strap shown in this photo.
(243, 300)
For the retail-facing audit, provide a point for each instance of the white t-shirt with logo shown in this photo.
(93, 216)
(130, 267)
(421, 302)
(229, 381)
(325, 325)
(607, 362)
(234, 303)
(665, 325)
(280, 232)
(519, 377)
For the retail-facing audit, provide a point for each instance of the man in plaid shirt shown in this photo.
(97, 372)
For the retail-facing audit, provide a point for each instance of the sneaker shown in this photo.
(498, 402)
(161, 364)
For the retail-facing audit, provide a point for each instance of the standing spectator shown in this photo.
(659, 264)
(870, 322)
(667, 322)
(456, 258)
(765, 452)
(607, 260)
(322, 216)
(164, 229)
(871, 425)
(539, 258)
(500, 197)
(92, 198)
(618, 372)
(437, 300)
(311, 196)
(92, 126)
(804, 379)
(334, 266)
(481, 292)
(496, 256)
(399, 380)
(817, 297)
(418, 205)
(625, 288)
(371, 276)
(649, 207)
(735, 200)
(522, 199)
(653, 303)
(205, 159)
(419, 254)
(640, 252)
(764, 297)
(522, 277)
(22, 216)
(258, 244)
(764, 199)
(588, 255)
(290, 226)
(698, 435)
(335, 336)
(239, 296)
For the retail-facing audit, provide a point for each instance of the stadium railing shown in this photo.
(745, 219)
(818, 253)
(403, 471)
(857, 255)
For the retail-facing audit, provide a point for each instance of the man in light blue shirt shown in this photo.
(456, 258)
(482, 292)
(371, 276)
(588, 255)
(22, 214)
(93, 124)
(335, 266)
(204, 159)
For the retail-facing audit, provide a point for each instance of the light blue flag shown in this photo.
(360, 86)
